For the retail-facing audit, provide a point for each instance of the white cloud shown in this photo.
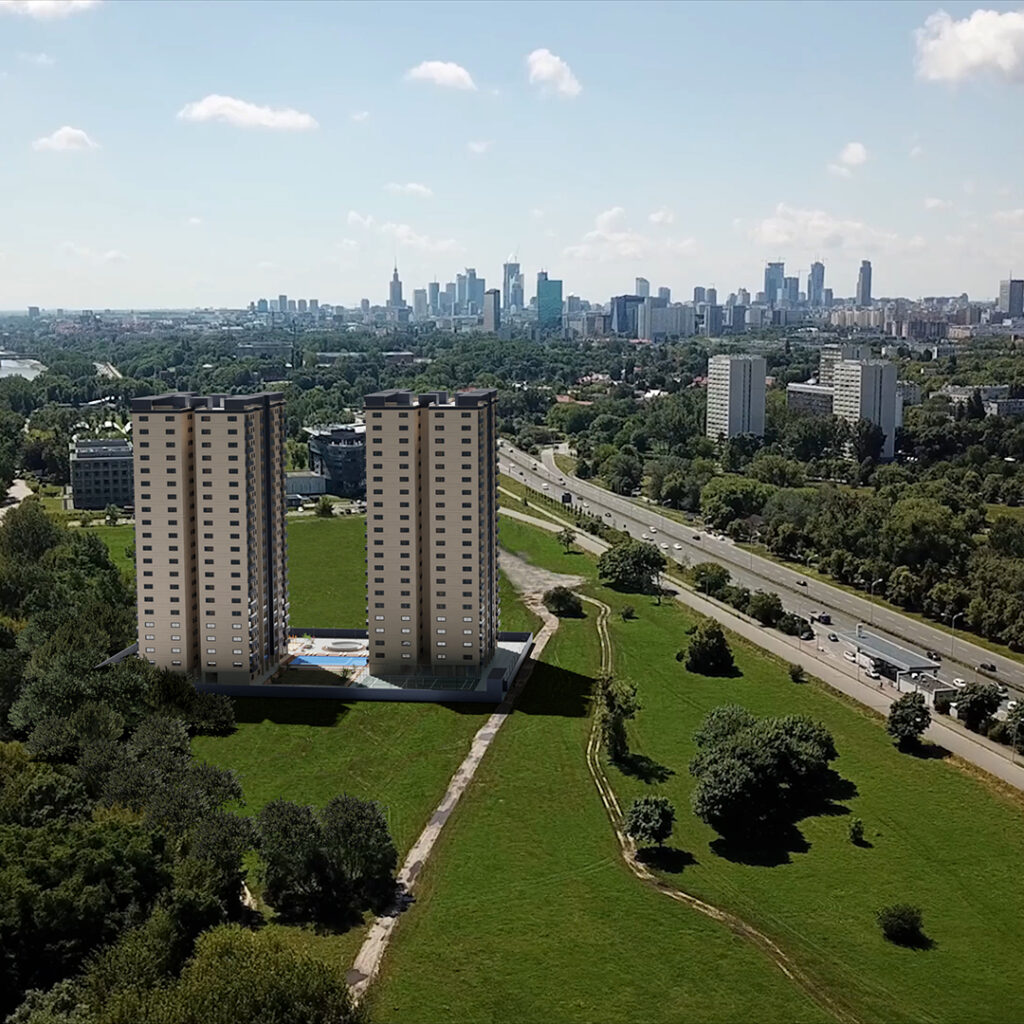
(88, 255)
(550, 71)
(479, 147)
(931, 203)
(348, 245)
(987, 42)
(357, 220)
(662, 216)
(64, 139)
(41, 60)
(840, 171)
(411, 188)
(816, 230)
(195, 222)
(853, 154)
(46, 9)
(359, 115)
(612, 239)
(445, 73)
(402, 234)
(246, 115)
(1009, 216)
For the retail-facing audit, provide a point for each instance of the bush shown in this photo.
(796, 673)
(212, 714)
(561, 601)
(324, 507)
(999, 732)
(857, 832)
(709, 652)
(901, 923)
(650, 820)
(628, 612)
(942, 705)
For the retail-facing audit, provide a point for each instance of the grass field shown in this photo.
(118, 539)
(327, 572)
(940, 839)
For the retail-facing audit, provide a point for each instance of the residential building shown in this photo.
(909, 392)
(816, 285)
(549, 302)
(303, 306)
(832, 354)
(1005, 407)
(774, 276)
(101, 473)
(958, 394)
(735, 396)
(282, 303)
(865, 389)
(431, 538)
(811, 399)
(643, 287)
(1011, 298)
(211, 556)
(864, 284)
(492, 310)
(338, 453)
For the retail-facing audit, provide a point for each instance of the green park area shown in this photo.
(540, 920)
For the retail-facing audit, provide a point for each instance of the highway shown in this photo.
(799, 593)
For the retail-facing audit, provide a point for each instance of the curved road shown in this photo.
(800, 594)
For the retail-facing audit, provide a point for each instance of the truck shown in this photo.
(868, 664)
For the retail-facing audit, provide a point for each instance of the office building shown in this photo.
(774, 275)
(625, 314)
(395, 300)
(509, 273)
(865, 389)
(292, 306)
(101, 473)
(211, 556)
(712, 321)
(810, 399)
(643, 287)
(657, 320)
(419, 303)
(737, 317)
(338, 453)
(790, 296)
(492, 311)
(450, 298)
(461, 294)
(699, 295)
(665, 293)
(549, 302)
(431, 537)
(1011, 298)
(742, 297)
(832, 354)
(303, 306)
(262, 306)
(314, 306)
(434, 298)
(711, 296)
(735, 401)
(864, 284)
(474, 292)
(816, 285)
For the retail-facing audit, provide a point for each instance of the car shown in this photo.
(586, 504)
(696, 536)
(825, 618)
(849, 656)
(678, 546)
(544, 486)
(801, 583)
(663, 544)
(833, 637)
(933, 655)
(644, 536)
(1003, 691)
(959, 683)
(654, 529)
(987, 666)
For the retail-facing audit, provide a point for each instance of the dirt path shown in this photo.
(629, 854)
(368, 960)
(16, 494)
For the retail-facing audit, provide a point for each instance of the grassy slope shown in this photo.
(941, 839)
(526, 912)
(326, 571)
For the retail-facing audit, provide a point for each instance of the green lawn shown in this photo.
(118, 539)
(526, 913)
(566, 463)
(327, 572)
(941, 839)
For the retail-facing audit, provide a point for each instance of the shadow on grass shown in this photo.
(666, 858)
(926, 751)
(556, 692)
(289, 711)
(919, 942)
(644, 768)
(768, 851)
(470, 708)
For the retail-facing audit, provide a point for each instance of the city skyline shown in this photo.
(257, 168)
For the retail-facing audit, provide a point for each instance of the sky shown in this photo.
(209, 154)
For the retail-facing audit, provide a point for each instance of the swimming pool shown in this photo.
(327, 660)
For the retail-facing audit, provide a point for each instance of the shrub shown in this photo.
(796, 673)
(628, 612)
(999, 732)
(709, 652)
(857, 832)
(324, 507)
(561, 601)
(650, 819)
(212, 713)
(901, 923)
(942, 705)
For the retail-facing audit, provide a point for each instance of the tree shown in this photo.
(976, 703)
(766, 607)
(708, 652)
(726, 498)
(901, 924)
(631, 565)
(710, 577)
(650, 820)
(324, 507)
(561, 601)
(616, 702)
(567, 538)
(112, 514)
(908, 718)
(796, 673)
(867, 439)
(628, 612)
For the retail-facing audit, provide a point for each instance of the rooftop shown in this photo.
(905, 659)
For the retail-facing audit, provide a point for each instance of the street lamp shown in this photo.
(872, 602)
(952, 631)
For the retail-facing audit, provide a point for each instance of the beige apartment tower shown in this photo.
(210, 551)
(431, 532)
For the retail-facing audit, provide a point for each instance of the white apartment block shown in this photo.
(865, 389)
(832, 354)
(735, 402)
(210, 549)
(811, 399)
(431, 531)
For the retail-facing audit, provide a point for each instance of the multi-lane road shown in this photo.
(800, 594)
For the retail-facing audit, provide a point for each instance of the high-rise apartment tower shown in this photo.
(736, 386)
(210, 550)
(431, 531)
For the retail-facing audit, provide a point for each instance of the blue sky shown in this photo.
(180, 154)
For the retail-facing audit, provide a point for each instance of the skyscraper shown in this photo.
(866, 390)
(303, 305)
(864, 284)
(431, 538)
(699, 294)
(212, 575)
(509, 273)
(492, 310)
(735, 397)
(433, 297)
(282, 303)
(711, 296)
(643, 287)
(549, 302)
(461, 293)
(1011, 297)
(712, 320)
(474, 292)
(395, 300)
(774, 275)
(816, 285)
(419, 303)
(791, 291)
(665, 293)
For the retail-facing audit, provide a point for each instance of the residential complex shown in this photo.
(832, 354)
(431, 531)
(735, 403)
(101, 473)
(211, 555)
(865, 389)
